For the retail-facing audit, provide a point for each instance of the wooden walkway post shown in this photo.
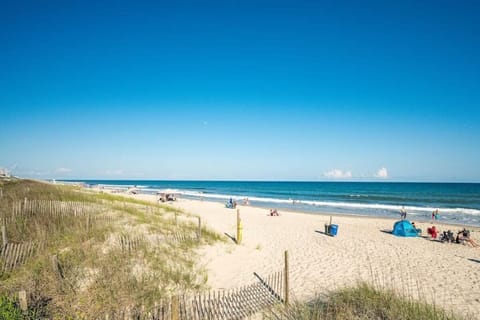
(4, 235)
(239, 227)
(287, 280)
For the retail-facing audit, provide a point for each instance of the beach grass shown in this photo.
(93, 273)
(361, 302)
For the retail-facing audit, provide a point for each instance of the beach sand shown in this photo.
(447, 275)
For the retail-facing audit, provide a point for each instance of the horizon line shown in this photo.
(262, 180)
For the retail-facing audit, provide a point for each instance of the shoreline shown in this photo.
(320, 213)
(450, 211)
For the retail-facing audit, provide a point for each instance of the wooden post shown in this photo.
(286, 277)
(199, 232)
(4, 236)
(330, 220)
(175, 315)
(239, 227)
(22, 297)
(25, 202)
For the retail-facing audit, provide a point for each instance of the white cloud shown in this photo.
(382, 173)
(63, 170)
(337, 174)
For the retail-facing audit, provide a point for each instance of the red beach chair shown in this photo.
(433, 232)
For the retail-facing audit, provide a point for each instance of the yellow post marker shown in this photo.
(239, 227)
(287, 281)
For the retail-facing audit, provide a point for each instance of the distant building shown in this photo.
(4, 173)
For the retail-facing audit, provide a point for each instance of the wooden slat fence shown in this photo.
(15, 254)
(233, 304)
(51, 208)
(178, 237)
(132, 242)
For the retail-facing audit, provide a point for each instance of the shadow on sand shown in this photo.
(231, 237)
(323, 232)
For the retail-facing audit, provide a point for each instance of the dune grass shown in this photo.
(95, 275)
(361, 302)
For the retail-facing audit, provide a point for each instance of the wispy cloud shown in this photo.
(63, 170)
(338, 174)
(382, 173)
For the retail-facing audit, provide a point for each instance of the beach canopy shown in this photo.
(404, 228)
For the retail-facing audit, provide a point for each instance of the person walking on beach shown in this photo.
(403, 213)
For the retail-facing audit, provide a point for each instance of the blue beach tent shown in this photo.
(404, 228)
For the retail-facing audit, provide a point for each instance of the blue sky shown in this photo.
(255, 90)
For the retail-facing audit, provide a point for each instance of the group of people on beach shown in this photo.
(463, 236)
(232, 204)
(403, 214)
(273, 212)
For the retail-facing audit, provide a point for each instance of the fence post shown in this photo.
(4, 235)
(22, 297)
(199, 232)
(175, 308)
(286, 277)
(56, 267)
(239, 227)
(88, 223)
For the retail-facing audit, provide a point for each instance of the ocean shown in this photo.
(457, 203)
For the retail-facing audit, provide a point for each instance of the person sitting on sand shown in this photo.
(419, 231)
(273, 212)
(464, 236)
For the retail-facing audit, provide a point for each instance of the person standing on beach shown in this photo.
(403, 213)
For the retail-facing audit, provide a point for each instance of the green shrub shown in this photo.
(9, 309)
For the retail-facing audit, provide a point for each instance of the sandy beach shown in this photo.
(447, 275)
